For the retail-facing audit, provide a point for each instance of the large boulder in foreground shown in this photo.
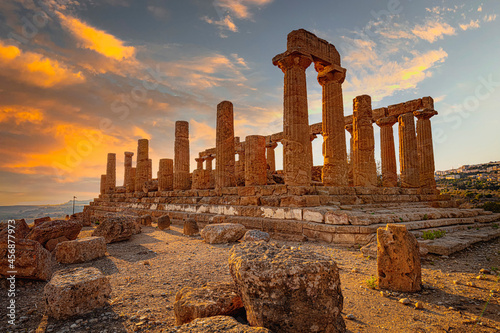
(20, 229)
(55, 229)
(216, 324)
(287, 289)
(398, 259)
(214, 299)
(80, 250)
(32, 261)
(116, 229)
(222, 233)
(76, 291)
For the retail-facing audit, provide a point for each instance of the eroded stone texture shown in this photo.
(408, 153)
(216, 324)
(116, 229)
(287, 289)
(166, 175)
(111, 173)
(398, 259)
(127, 166)
(388, 152)
(190, 227)
(21, 228)
(182, 179)
(335, 167)
(255, 235)
(164, 222)
(52, 243)
(222, 233)
(255, 160)
(103, 184)
(41, 220)
(364, 167)
(54, 229)
(224, 145)
(297, 148)
(425, 148)
(214, 299)
(76, 291)
(270, 156)
(32, 260)
(142, 167)
(80, 250)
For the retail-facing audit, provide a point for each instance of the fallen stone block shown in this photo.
(214, 299)
(216, 324)
(55, 229)
(287, 289)
(146, 220)
(116, 229)
(190, 227)
(76, 291)
(32, 260)
(222, 233)
(41, 220)
(164, 222)
(20, 229)
(80, 250)
(256, 235)
(52, 243)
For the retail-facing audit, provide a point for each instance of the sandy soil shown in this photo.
(147, 271)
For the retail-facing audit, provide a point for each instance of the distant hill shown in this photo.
(31, 212)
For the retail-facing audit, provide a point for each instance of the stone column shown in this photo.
(297, 149)
(408, 154)
(270, 157)
(127, 165)
(224, 147)
(364, 168)
(181, 156)
(150, 169)
(199, 163)
(255, 160)
(141, 171)
(166, 175)
(209, 168)
(388, 152)
(350, 173)
(240, 165)
(103, 184)
(335, 168)
(111, 173)
(209, 160)
(425, 148)
(131, 180)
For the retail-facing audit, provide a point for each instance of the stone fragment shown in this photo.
(214, 299)
(404, 301)
(76, 291)
(398, 259)
(288, 289)
(55, 229)
(222, 233)
(80, 250)
(164, 222)
(256, 235)
(216, 324)
(146, 220)
(41, 220)
(116, 229)
(52, 243)
(32, 260)
(190, 227)
(20, 229)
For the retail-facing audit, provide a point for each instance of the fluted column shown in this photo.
(408, 154)
(150, 170)
(182, 179)
(127, 165)
(224, 146)
(111, 173)
(388, 152)
(103, 184)
(297, 149)
(350, 172)
(255, 159)
(425, 148)
(335, 168)
(209, 168)
(270, 156)
(365, 169)
(166, 175)
(141, 171)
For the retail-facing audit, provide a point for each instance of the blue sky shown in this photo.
(79, 79)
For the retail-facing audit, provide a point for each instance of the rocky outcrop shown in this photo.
(211, 300)
(286, 289)
(222, 233)
(55, 229)
(256, 235)
(116, 229)
(80, 250)
(216, 324)
(398, 259)
(32, 260)
(76, 291)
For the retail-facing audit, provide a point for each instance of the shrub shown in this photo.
(371, 282)
(433, 234)
(491, 206)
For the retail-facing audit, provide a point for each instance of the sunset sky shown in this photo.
(81, 78)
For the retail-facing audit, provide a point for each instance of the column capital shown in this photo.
(288, 60)
(129, 154)
(387, 121)
(199, 159)
(424, 114)
(329, 73)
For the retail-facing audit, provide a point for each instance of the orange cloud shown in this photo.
(241, 7)
(21, 114)
(433, 31)
(34, 68)
(471, 25)
(226, 23)
(97, 40)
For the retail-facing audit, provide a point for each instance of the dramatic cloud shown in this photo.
(432, 31)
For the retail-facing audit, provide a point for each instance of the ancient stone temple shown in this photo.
(346, 201)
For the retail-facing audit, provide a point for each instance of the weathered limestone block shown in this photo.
(287, 289)
(76, 291)
(388, 152)
(190, 227)
(111, 173)
(182, 177)
(52, 243)
(146, 220)
(166, 175)
(32, 260)
(41, 220)
(255, 235)
(214, 299)
(20, 230)
(216, 324)
(80, 250)
(150, 186)
(425, 148)
(222, 233)
(127, 166)
(164, 222)
(398, 259)
(364, 167)
(55, 229)
(224, 145)
(408, 153)
(142, 167)
(255, 160)
(116, 229)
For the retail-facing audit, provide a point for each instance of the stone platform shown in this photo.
(340, 215)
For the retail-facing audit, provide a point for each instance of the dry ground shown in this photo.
(147, 271)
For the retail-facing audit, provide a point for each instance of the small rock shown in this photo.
(73, 326)
(480, 277)
(484, 271)
(456, 282)
(350, 317)
(419, 305)
(146, 263)
(471, 284)
(355, 270)
(404, 301)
